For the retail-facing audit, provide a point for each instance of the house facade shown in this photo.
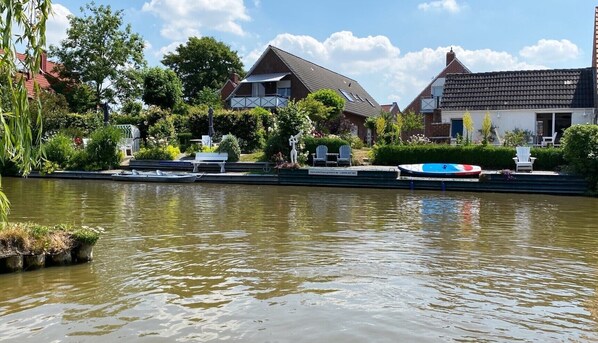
(541, 102)
(279, 76)
(427, 102)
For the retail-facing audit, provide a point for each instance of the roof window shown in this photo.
(347, 95)
(369, 102)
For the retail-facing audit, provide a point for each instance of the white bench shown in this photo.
(208, 158)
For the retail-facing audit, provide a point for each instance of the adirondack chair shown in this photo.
(523, 160)
(344, 155)
(546, 140)
(321, 155)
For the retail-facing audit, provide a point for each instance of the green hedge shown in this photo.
(333, 143)
(247, 126)
(488, 157)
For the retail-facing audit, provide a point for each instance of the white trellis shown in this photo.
(131, 137)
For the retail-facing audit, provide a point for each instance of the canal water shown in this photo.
(207, 262)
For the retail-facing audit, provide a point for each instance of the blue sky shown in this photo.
(393, 48)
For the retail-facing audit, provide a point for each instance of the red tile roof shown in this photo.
(46, 75)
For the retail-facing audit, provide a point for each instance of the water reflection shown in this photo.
(212, 262)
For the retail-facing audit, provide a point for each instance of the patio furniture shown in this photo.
(546, 140)
(321, 155)
(344, 155)
(523, 160)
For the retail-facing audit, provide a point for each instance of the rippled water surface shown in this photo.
(208, 262)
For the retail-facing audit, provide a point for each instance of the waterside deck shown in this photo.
(538, 182)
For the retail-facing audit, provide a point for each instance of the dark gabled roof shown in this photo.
(315, 77)
(525, 89)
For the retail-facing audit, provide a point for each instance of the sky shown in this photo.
(392, 48)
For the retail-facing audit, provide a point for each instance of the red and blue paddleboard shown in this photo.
(440, 170)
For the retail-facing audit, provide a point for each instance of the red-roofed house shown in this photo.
(45, 77)
(391, 108)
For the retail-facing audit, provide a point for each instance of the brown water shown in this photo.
(287, 264)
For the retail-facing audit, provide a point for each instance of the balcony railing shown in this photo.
(428, 105)
(261, 101)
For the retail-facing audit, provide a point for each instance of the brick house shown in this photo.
(427, 102)
(279, 76)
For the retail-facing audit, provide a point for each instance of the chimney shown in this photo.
(234, 78)
(44, 62)
(450, 56)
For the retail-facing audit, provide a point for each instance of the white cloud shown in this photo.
(166, 49)
(379, 66)
(551, 50)
(57, 24)
(442, 5)
(185, 18)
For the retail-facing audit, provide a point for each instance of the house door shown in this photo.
(456, 127)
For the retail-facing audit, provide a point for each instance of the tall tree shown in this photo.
(17, 117)
(161, 87)
(203, 62)
(98, 52)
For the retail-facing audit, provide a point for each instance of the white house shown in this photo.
(540, 101)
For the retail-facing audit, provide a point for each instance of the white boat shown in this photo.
(153, 176)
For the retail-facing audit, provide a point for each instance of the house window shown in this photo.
(347, 95)
(284, 92)
(369, 102)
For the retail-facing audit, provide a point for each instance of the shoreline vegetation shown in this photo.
(28, 246)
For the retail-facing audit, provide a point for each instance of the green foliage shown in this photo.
(580, 149)
(101, 54)
(161, 87)
(203, 62)
(184, 140)
(85, 235)
(82, 124)
(486, 127)
(317, 111)
(289, 121)
(79, 96)
(488, 157)
(333, 143)
(325, 108)
(22, 23)
(388, 129)
(247, 126)
(468, 124)
(208, 97)
(411, 121)
(163, 129)
(330, 98)
(158, 153)
(102, 150)
(132, 108)
(517, 137)
(59, 149)
(230, 145)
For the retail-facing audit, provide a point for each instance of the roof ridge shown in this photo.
(317, 65)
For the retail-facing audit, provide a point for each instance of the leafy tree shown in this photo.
(17, 139)
(208, 97)
(331, 100)
(580, 150)
(203, 62)
(486, 127)
(101, 54)
(161, 87)
(468, 123)
(315, 109)
(411, 121)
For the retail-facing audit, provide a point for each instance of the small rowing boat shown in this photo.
(153, 176)
(440, 170)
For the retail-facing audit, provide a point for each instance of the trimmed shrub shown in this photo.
(247, 126)
(158, 153)
(580, 150)
(230, 145)
(488, 157)
(333, 143)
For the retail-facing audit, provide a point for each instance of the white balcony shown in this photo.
(261, 101)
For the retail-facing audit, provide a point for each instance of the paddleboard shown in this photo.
(440, 170)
